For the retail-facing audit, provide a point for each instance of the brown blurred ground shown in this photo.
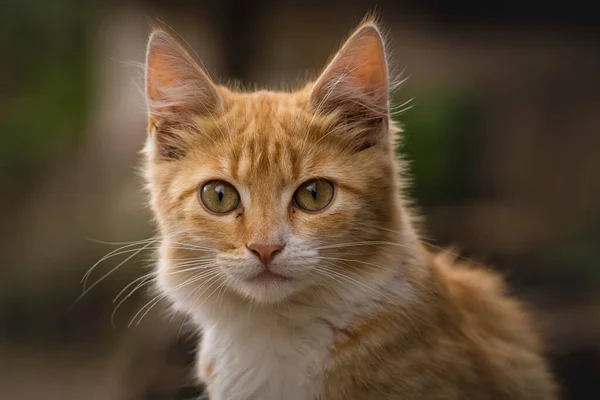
(504, 133)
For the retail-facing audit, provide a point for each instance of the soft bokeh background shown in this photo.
(503, 134)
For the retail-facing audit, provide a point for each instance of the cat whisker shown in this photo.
(327, 274)
(149, 245)
(363, 243)
(150, 239)
(187, 315)
(141, 278)
(146, 279)
(114, 253)
(357, 282)
(204, 291)
(103, 277)
(194, 268)
(210, 273)
(196, 298)
(402, 108)
(209, 277)
(207, 260)
(412, 282)
(428, 241)
(86, 277)
(222, 289)
(356, 261)
(149, 305)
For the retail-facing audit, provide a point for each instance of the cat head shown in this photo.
(263, 195)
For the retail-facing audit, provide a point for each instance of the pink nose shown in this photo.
(265, 252)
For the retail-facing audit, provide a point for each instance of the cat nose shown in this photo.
(265, 252)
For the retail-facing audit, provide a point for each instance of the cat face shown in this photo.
(266, 194)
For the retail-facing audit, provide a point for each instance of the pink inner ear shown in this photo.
(162, 71)
(174, 80)
(159, 74)
(358, 73)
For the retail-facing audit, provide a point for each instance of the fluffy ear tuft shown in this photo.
(355, 84)
(176, 87)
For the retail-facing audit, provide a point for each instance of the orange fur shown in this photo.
(394, 321)
(465, 340)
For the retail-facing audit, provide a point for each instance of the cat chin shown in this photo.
(268, 291)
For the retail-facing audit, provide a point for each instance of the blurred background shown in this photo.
(503, 134)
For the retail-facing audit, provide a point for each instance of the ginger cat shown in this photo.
(286, 239)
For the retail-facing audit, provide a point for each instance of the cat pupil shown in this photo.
(220, 193)
(313, 190)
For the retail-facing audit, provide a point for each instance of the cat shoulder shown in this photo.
(481, 296)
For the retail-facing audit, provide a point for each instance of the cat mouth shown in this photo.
(268, 276)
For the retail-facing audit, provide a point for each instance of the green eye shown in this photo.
(219, 197)
(314, 195)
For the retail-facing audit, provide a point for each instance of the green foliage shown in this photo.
(44, 99)
(440, 143)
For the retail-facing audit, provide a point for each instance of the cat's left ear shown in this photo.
(356, 84)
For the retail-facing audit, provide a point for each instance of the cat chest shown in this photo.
(264, 362)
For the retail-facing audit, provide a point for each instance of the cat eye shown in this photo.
(219, 197)
(314, 195)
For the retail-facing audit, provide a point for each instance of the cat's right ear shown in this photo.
(176, 85)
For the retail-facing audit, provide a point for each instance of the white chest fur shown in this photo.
(265, 357)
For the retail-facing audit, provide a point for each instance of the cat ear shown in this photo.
(176, 85)
(355, 83)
